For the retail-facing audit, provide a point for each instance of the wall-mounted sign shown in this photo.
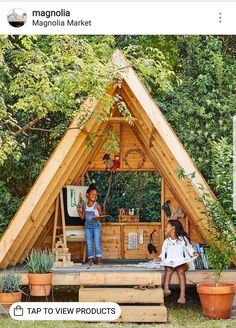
(132, 240)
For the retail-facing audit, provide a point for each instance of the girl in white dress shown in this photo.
(176, 251)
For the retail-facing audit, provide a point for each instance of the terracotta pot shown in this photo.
(216, 301)
(7, 299)
(40, 283)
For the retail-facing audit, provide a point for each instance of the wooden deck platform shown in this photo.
(116, 282)
(71, 276)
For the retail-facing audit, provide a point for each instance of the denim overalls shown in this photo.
(92, 232)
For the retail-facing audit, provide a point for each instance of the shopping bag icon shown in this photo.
(18, 311)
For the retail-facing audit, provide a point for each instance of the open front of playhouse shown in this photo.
(104, 235)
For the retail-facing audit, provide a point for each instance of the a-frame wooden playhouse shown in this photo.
(72, 158)
(151, 136)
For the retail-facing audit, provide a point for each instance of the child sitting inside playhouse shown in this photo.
(92, 212)
(176, 252)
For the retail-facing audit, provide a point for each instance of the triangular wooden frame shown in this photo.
(71, 157)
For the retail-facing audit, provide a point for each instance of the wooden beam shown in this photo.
(119, 120)
(45, 233)
(55, 222)
(192, 277)
(144, 313)
(121, 295)
(162, 212)
(76, 176)
(63, 223)
(121, 279)
(37, 228)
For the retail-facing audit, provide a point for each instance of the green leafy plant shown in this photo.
(39, 261)
(10, 282)
(223, 238)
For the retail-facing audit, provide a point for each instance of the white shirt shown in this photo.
(176, 249)
(92, 208)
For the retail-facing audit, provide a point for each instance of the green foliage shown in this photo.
(8, 205)
(39, 261)
(222, 175)
(191, 78)
(131, 190)
(9, 282)
(220, 229)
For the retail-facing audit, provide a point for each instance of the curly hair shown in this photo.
(91, 188)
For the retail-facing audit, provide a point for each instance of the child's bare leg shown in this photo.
(167, 278)
(182, 283)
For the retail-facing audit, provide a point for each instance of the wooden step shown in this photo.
(120, 278)
(121, 295)
(144, 313)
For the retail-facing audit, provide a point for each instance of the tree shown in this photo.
(44, 81)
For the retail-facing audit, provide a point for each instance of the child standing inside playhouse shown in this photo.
(176, 249)
(91, 212)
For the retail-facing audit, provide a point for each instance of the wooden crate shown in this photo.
(128, 218)
(137, 305)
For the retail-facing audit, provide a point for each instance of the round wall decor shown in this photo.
(138, 157)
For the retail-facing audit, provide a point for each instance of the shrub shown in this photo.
(10, 282)
(39, 261)
(222, 239)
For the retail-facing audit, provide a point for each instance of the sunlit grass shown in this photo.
(187, 316)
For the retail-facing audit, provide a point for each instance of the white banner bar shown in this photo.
(81, 311)
(119, 18)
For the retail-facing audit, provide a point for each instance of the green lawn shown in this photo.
(187, 316)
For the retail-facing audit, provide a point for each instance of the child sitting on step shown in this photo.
(176, 248)
(91, 212)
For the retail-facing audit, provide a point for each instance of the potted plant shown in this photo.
(216, 297)
(10, 291)
(39, 264)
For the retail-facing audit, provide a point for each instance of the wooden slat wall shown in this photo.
(111, 241)
(127, 140)
(141, 252)
(115, 241)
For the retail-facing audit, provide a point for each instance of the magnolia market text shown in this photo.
(58, 22)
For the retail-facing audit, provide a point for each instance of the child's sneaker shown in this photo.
(90, 262)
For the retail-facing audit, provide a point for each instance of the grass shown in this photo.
(188, 316)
